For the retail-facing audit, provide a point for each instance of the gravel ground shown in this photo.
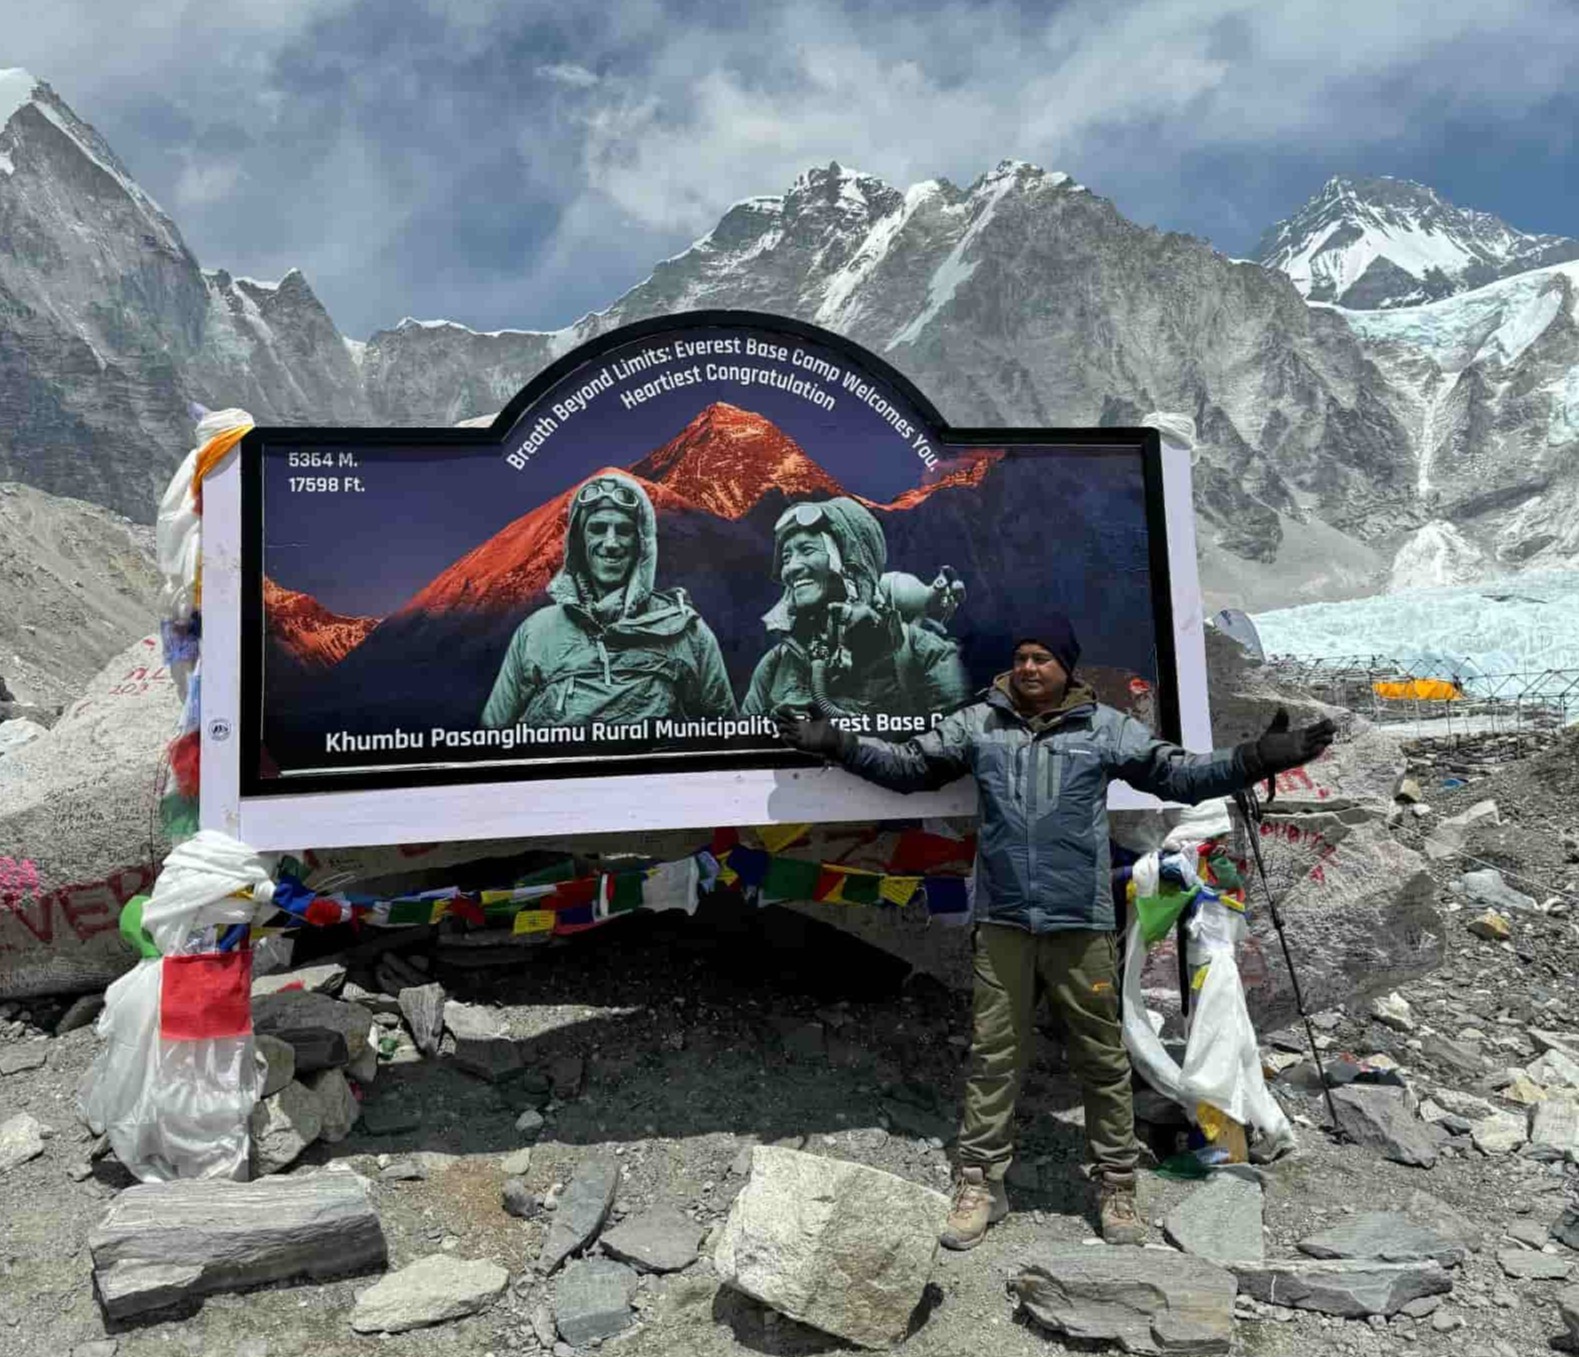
(698, 1038)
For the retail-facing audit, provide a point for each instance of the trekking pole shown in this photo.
(1250, 808)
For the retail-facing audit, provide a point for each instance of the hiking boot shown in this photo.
(978, 1203)
(1121, 1222)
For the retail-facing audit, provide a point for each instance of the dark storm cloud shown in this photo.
(515, 164)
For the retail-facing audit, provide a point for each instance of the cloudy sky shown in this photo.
(516, 163)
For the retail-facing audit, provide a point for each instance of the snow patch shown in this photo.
(1435, 556)
(955, 270)
(16, 89)
(1563, 425)
(871, 252)
(357, 348)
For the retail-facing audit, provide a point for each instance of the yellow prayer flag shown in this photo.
(534, 921)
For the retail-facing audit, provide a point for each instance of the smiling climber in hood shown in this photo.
(850, 638)
(610, 646)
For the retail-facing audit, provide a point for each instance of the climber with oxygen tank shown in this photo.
(1042, 750)
(851, 639)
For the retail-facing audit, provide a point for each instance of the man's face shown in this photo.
(1036, 675)
(805, 568)
(609, 539)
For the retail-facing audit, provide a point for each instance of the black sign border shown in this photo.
(947, 439)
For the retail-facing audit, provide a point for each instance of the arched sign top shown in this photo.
(588, 615)
(676, 332)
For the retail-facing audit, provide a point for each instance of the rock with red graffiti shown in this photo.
(80, 828)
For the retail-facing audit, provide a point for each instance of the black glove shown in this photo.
(819, 736)
(1280, 748)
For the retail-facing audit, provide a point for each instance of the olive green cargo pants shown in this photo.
(1079, 968)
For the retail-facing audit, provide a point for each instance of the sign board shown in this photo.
(584, 617)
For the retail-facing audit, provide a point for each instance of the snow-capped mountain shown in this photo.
(1376, 243)
(110, 329)
(1340, 448)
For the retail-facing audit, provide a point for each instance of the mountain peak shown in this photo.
(1374, 242)
(16, 88)
(727, 458)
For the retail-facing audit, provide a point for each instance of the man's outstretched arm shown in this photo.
(1166, 770)
(925, 762)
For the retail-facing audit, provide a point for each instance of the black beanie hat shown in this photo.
(1058, 635)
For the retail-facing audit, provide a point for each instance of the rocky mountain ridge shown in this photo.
(1335, 458)
(1378, 243)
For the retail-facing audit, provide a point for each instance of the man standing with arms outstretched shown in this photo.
(1042, 750)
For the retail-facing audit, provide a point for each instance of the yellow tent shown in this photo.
(1428, 690)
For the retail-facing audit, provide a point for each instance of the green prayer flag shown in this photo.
(410, 911)
(789, 879)
(1158, 913)
(861, 890)
(132, 927)
(627, 892)
(564, 869)
(178, 816)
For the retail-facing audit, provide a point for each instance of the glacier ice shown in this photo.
(1525, 624)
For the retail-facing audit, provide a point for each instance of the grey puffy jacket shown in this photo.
(1042, 850)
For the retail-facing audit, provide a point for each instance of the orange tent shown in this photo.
(1428, 690)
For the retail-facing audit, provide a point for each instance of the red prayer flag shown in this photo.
(205, 996)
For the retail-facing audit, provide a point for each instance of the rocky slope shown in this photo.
(111, 329)
(1381, 243)
(77, 586)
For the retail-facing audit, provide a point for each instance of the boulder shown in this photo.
(583, 1207)
(338, 1108)
(76, 806)
(592, 1300)
(1383, 1118)
(1565, 1229)
(1568, 1308)
(1486, 887)
(1220, 1221)
(844, 1248)
(428, 1291)
(1392, 1010)
(483, 1045)
(1359, 910)
(1491, 926)
(18, 732)
(1555, 1069)
(1387, 1235)
(18, 1059)
(1500, 1133)
(21, 1139)
(283, 1125)
(323, 1031)
(1350, 1288)
(1554, 1130)
(1144, 1300)
(423, 1007)
(660, 1240)
(519, 1200)
(325, 978)
(162, 1242)
(279, 1063)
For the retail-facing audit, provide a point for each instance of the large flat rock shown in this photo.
(663, 1239)
(1387, 1235)
(1144, 1300)
(1352, 1288)
(1219, 1221)
(844, 1248)
(323, 1031)
(428, 1291)
(1382, 1118)
(168, 1241)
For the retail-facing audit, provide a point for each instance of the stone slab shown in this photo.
(663, 1239)
(429, 1291)
(592, 1300)
(1144, 1300)
(219, 1235)
(583, 1207)
(1386, 1235)
(1220, 1221)
(1350, 1288)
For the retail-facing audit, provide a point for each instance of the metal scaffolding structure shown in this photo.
(1402, 695)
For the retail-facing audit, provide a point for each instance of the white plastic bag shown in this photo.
(175, 1082)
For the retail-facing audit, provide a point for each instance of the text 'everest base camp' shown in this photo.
(600, 1015)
